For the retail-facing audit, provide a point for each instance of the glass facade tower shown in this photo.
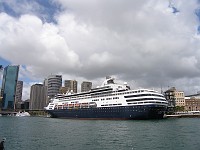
(9, 83)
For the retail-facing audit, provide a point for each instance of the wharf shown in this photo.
(8, 113)
(183, 116)
(31, 112)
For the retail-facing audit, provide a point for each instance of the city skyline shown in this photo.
(148, 43)
(78, 87)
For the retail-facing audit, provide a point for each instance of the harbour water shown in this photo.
(32, 133)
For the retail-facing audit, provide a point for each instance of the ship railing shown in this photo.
(148, 102)
(76, 105)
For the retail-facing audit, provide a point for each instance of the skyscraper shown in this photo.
(54, 83)
(71, 85)
(19, 88)
(38, 97)
(86, 86)
(9, 83)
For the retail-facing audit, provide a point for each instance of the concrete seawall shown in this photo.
(31, 112)
(184, 116)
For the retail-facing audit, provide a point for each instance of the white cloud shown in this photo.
(134, 40)
(28, 41)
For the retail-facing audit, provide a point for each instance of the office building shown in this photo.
(45, 83)
(174, 97)
(19, 88)
(54, 83)
(192, 104)
(9, 84)
(71, 85)
(38, 97)
(86, 86)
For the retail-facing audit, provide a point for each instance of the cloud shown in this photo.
(141, 41)
(35, 44)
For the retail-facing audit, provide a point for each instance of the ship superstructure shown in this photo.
(109, 101)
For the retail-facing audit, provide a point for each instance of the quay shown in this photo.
(183, 116)
(44, 113)
(8, 113)
(31, 112)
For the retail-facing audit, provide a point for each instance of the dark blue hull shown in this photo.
(122, 112)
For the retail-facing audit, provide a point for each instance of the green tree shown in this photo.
(179, 108)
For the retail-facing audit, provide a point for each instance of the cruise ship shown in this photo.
(109, 101)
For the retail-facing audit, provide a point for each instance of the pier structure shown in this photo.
(8, 113)
(31, 112)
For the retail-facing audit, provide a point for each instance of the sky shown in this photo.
(147, 43)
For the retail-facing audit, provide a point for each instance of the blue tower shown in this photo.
(9, 83)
